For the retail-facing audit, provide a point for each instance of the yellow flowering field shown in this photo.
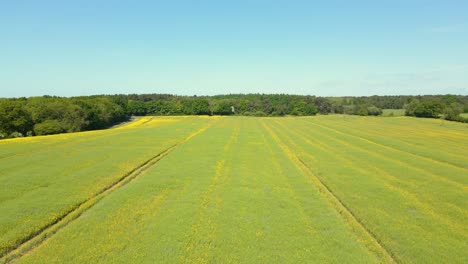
(324, 189)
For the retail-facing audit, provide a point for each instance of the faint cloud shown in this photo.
(448, 28)
(441, 80)
(444, 79)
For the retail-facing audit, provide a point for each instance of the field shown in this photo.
(393, 112)
(325, 189)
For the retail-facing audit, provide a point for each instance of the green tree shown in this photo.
(310, 109)
(411, 107)
(453, 111)
(14, 117)
(49, 127)
(375, 111)
(136, 108)
(348, 109)
(201, 107)
(428, 109)
(74, 118)
(361, 110)
(223, 107)
(299, 108)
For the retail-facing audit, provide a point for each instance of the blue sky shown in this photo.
(325, 48)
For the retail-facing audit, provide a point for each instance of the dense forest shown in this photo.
(51, 115)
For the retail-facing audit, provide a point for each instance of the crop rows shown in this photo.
(239, 190)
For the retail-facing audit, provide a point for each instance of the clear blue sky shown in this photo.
(325, 48)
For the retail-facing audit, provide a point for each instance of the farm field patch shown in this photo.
(328, 189)
(393, 112)
(44, 178)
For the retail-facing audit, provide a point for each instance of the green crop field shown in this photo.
(324, 189)
(393, 112)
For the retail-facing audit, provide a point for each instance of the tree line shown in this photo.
(448, 107)
(46, 115)
(437, 109)
(52, 115)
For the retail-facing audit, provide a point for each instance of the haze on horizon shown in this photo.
(333, 48)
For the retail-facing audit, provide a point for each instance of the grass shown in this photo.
(393, 112)
(327, 189)
(47, 177)
(464, 115)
